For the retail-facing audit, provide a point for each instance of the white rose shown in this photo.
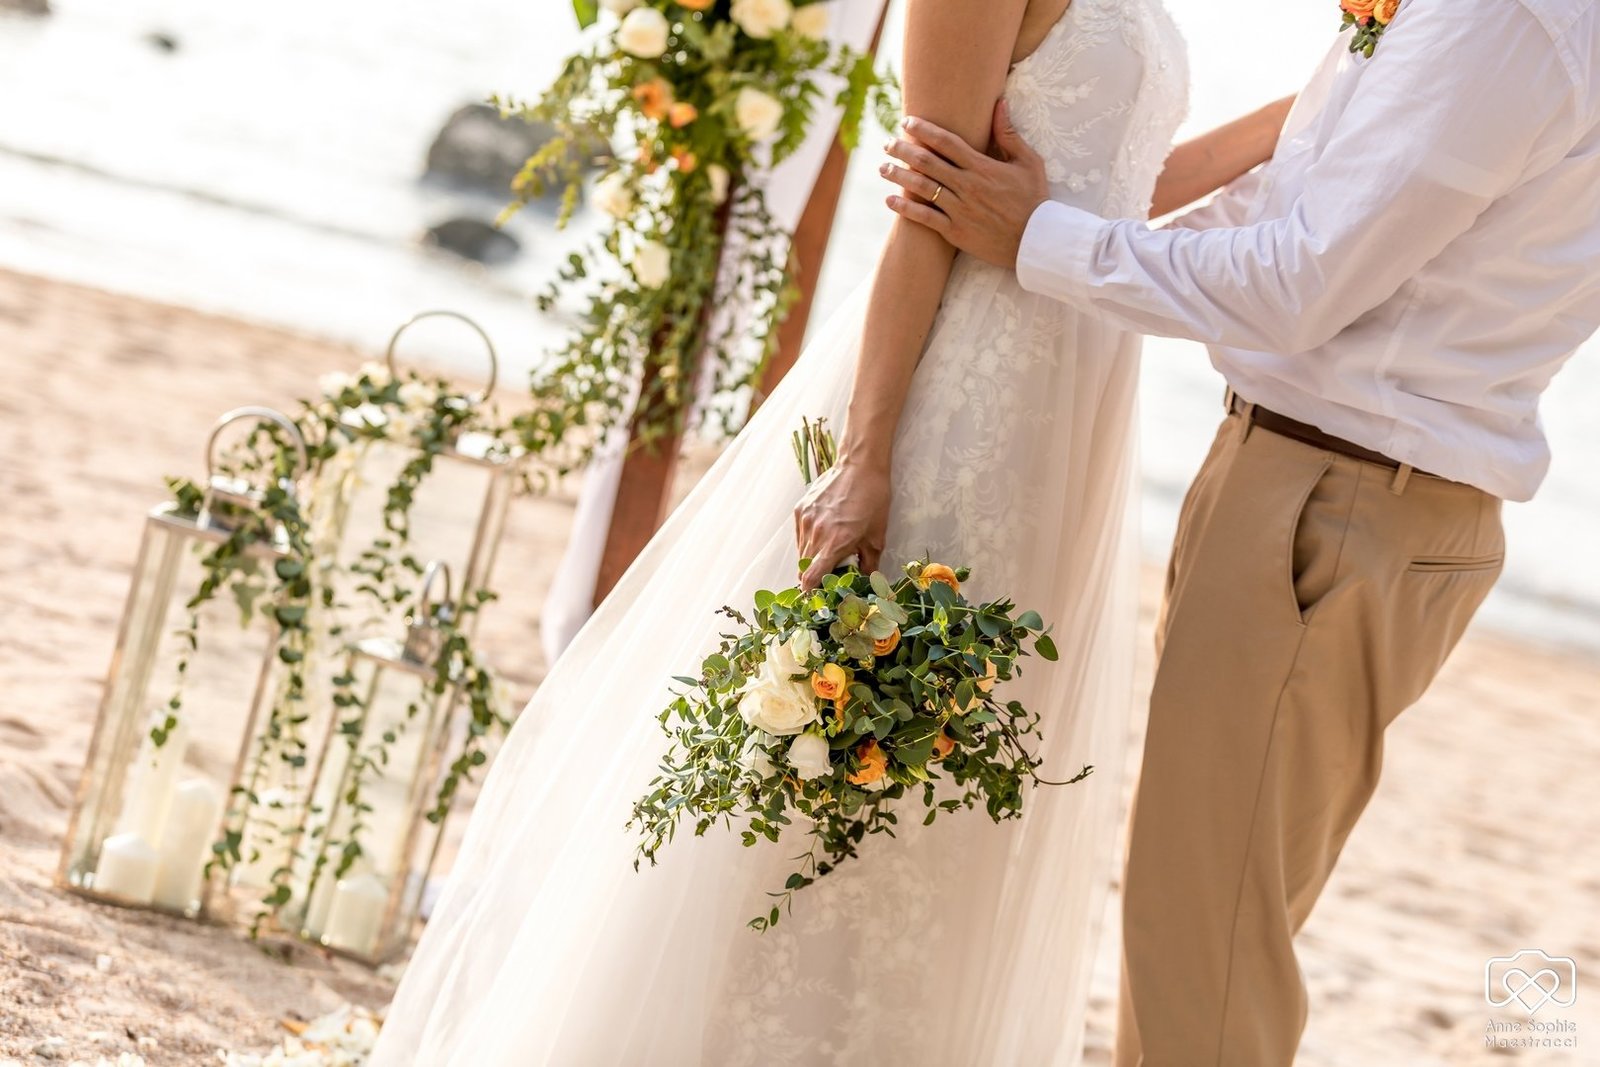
(620, 7)
(811, 21)
(613, 196)
(757, 113)
(370, 415)
(334, 383)
(652, 264)
(376, 373)
(416, 396)
(761, 18)
(804, 646)
(773, 703)
(755, 758)
(644, 33)
(720, 180)
(808, 755)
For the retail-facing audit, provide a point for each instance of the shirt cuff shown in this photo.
(1057, 248)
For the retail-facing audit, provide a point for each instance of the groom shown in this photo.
(1387, 299)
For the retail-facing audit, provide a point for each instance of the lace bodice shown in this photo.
(1100, 99)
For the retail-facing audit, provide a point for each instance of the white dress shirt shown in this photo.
(1417, 260)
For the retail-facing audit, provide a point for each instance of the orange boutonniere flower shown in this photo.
(1370, 18)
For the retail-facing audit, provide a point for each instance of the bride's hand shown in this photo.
(844, 513)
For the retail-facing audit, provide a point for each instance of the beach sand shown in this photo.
(1480, 842)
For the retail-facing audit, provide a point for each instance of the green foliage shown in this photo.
(691, 183)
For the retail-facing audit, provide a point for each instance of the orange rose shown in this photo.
(874, 763)
(829, 683)
(1361, 9)
(1383, 11)
(685, 160)
(885, 645)
(696, 5)
(840, 703)
(943, 745)
(654, 98)
(938, 572)
(681, 114)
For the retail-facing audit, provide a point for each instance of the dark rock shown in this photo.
(480, 150)
(161, 42)
(26, 7)
(475, 240)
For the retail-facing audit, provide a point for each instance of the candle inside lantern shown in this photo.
(356, 915)
(149, 796)
(267, 839)
(127, 869)
(186, 843)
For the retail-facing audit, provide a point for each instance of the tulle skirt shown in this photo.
(964, 942)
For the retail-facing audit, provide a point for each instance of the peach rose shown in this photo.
(696, 5)
(840, 719)
(1384, 11)
(885, 645)
(938, 572)
(943, 745)
(1361, 9)
(681, 114)
(830, 682)
(874, 763)
(685, 160)
(654, 98)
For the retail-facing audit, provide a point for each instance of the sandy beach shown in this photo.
(1479, 844)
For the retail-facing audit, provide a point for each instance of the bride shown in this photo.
(983, 426)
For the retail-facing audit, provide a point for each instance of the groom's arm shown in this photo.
(1460, 103)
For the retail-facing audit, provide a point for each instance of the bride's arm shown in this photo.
(1200, 167)
(957, 54)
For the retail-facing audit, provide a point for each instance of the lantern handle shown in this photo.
(494, 359)
(259, 414)
(435, 570)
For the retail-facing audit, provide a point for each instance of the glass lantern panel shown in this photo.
(148, 814)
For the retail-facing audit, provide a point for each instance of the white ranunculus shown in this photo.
(376, 373)
(808, 755)
(720, 180)
(758, 114)
(620, 7)
(334, 383)
(812, 21)
(652, 264)
(773, 702)
(613, 195)
(643, 33)
(761, 18)
(416, 396)
(755, 758)
(804, 646)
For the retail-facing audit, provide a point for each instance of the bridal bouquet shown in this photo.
(835, 704)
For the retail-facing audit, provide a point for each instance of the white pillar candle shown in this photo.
(265, 847)
(127, 868)
(186, 843)
(356, 915)
(148, 799)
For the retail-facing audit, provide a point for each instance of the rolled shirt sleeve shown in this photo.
(1457, 106)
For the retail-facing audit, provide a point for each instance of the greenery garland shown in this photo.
(706, 94)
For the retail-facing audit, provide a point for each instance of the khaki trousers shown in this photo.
(1311, 598)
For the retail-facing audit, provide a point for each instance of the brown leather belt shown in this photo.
(1305, 433)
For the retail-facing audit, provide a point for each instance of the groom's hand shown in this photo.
(979, 203)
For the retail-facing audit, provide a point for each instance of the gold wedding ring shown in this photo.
(937, 189)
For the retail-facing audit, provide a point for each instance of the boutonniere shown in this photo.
(1370, 18)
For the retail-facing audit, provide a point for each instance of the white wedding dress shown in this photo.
(963, 943)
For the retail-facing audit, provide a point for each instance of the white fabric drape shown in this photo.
(570, 600)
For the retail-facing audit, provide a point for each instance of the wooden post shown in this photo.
(644, 490)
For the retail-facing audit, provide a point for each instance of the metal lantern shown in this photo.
(376, 784)
(147, 813)
(459, 510)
